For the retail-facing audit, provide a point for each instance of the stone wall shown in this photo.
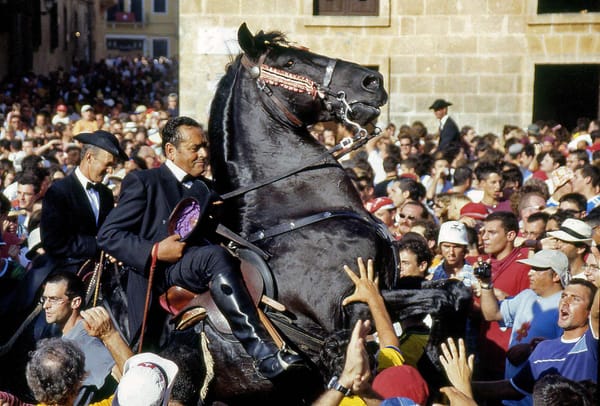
(479, 54)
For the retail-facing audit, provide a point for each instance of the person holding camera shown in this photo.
(534, 311)
(505, 276)
(439, 181)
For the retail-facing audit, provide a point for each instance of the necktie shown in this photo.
(188, 178)
(90, 185)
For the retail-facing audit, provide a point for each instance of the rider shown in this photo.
(140, 222)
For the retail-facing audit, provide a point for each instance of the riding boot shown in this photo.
(233, 300)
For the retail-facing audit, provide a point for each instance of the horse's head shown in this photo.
(305, 87)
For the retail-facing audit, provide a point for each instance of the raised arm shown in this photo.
(367, 291)
(97, 323)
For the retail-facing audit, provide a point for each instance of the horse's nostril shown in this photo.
(371, 82)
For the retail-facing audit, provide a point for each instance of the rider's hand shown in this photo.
(171, 249)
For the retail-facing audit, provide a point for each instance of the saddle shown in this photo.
(188, 308)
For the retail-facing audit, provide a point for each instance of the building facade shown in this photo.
(488, 57)
(141, 27)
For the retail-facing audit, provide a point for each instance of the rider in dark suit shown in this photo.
(140, 222)
(75, 207)
(449, 132)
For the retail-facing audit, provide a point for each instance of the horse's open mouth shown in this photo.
(363, 113)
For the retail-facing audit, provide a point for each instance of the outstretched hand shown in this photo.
(366, 285)
(457, 365)
(356, 372)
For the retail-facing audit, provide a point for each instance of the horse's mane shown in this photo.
(269, 39)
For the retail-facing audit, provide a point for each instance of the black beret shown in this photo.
(105, 140)
(439, 104)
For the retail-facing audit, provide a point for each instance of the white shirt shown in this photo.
(178, 173)
(92, 194)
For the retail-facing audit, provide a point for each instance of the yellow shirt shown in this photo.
(387, 357)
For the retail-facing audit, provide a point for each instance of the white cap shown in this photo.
(453, 232)
(147, 381)
(85, 108)
(555, 260)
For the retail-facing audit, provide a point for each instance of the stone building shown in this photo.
(499, 61)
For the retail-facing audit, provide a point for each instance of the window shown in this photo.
(118, 13)
(346, 7)
(567, 6)
(566, 92)
(160, 47)
(159, 6)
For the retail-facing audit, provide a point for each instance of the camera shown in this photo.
(483, 270)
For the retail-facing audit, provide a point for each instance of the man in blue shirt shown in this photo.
(574, 355)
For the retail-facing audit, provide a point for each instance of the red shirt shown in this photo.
(511, 277)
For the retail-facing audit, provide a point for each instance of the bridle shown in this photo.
(266, 76)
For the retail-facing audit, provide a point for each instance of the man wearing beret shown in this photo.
(75, 207)
(137, 233)
(449, 132)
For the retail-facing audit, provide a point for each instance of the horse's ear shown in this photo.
(246, 41)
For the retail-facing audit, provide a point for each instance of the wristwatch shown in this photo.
(335, 384)
(487, 286)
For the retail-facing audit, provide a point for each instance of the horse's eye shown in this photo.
(289, 63)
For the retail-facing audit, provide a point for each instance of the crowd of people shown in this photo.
(93, 158)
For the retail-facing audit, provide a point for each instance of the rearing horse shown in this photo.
(283, 192)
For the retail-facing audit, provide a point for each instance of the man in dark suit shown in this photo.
(449, 132)
(137, 229)
(75, 207)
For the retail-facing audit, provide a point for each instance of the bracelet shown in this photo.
(487, 286)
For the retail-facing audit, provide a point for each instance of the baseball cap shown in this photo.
(573, 230)
(379, 203)
(86, 107)
(147, 381)
(478, 211)
(61, 107)
(555, 260)
(454, 232)
(140, 109)
(402, 381)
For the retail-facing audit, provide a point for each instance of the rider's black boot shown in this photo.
(233, 300)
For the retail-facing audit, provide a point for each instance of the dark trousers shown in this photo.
(199, 265)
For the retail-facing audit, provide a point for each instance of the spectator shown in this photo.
(575, 202)
(410, 211)
(87, 123)
(533, 312)
(453, 242)
(449, 133)
(535, 226)
(574, 355)
(62, 299)
(586, 180)
(55, 372)
(574, 239)
(508, 278)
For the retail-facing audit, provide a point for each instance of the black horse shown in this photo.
(285, 193)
